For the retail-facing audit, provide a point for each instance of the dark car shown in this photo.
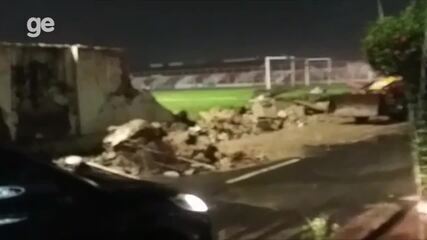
(41, 201)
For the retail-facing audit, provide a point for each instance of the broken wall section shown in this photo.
(37, 87)
(106, 96)
(52, 92)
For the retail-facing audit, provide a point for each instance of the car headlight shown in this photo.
(190, 202)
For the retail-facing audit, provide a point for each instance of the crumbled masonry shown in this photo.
(141, 148)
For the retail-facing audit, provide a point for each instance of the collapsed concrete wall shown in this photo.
(50, 92)
(106, 96)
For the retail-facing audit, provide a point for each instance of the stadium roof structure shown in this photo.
(58, 45)
(230, 63)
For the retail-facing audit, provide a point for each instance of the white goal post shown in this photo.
(267, 66)
(307, 62)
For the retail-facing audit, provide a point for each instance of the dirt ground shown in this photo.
(297, 142)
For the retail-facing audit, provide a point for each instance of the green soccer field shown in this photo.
(196, 100)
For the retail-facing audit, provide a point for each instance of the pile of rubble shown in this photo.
(140, 148)
(261, 116)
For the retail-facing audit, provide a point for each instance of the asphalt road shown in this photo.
(340, 181)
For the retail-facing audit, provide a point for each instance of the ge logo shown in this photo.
(35, 25)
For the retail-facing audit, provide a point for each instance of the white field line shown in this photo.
(261, 171)
(191, 100)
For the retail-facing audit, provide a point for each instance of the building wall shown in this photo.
(6, 118)
(106, 96)
(52, 92)
(98, 75)
(37, 91)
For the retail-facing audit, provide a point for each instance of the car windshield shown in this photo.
(293, 119)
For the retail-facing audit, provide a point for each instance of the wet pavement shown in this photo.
(340, 181)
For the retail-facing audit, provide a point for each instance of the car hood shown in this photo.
(116, 184)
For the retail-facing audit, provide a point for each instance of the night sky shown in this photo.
(192, 31)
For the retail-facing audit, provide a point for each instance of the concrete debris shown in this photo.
(264, 107)
(171, 174)
(189, 171)
(282, 114)
(119, 134)
(73, 160)
(224, 163)
(313, 108)
(227, 124)
(140, 148)
(317, 90)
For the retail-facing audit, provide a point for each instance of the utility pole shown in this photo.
(380, 10)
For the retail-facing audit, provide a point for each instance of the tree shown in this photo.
(396, 45)
(393, 44)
